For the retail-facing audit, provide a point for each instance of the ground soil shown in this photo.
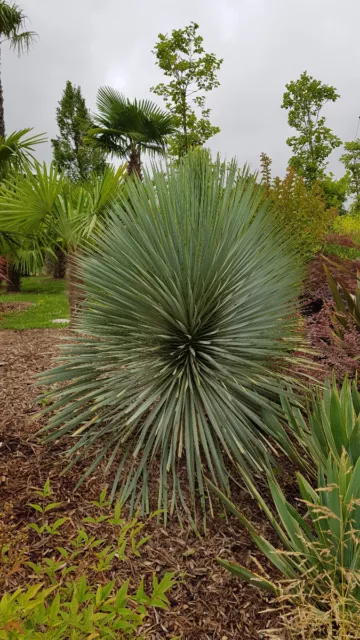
(332, 354)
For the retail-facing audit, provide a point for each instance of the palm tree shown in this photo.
(16, 152)
(12, 23)
(40, 209)
(126, 129)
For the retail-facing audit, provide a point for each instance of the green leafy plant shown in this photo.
(80, 611)
(188, 329)
(41, 207)
(299, 209)
(343, 252)
(348, 225)
(73, 153)
(67, 593)
(84, 550)
(304, 99)
(13, 30)
(127, 129)
(319, 556)
(351, 161)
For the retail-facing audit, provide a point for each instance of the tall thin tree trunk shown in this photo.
(134, 164)
(13, 277)
(2, 116)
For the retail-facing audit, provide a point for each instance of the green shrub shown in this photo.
(348, 225)
(79, 611)
(189, 324)
(345, 253)
(319, 552)
(299, 210)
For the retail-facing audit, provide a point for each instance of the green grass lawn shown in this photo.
(49, 302)
(349, 253)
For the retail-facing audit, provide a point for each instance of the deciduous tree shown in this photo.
(192, 72)
(304, 99)
(351, 161)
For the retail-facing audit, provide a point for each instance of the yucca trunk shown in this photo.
(75, 284)
(13, 276)
(134, 164)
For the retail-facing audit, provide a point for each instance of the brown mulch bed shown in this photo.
(333, 353)
(340, 239)
(208, 603)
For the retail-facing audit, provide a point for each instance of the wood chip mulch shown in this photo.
(208, 603)
(333, 353)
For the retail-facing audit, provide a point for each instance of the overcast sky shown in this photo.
(264, 43)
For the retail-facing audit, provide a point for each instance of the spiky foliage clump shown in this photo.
(330, 425)
(189, 317)
(319, 557)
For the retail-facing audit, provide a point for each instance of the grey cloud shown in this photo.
(264, 43)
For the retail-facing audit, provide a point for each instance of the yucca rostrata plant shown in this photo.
(189, 322)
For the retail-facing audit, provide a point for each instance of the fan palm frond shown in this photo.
(16, 150)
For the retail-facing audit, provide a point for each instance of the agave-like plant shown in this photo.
(320, 548)
(188, 328)
(330, 425)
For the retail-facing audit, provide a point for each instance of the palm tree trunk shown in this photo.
(75, 287)
(13, 277)
(2, 116)
(60, 263)
(134, 164)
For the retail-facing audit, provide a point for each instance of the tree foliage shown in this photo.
(351, 161)
(304, 100)
(192, 72)
(72, 151)
(335, 191)
(127, 129)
